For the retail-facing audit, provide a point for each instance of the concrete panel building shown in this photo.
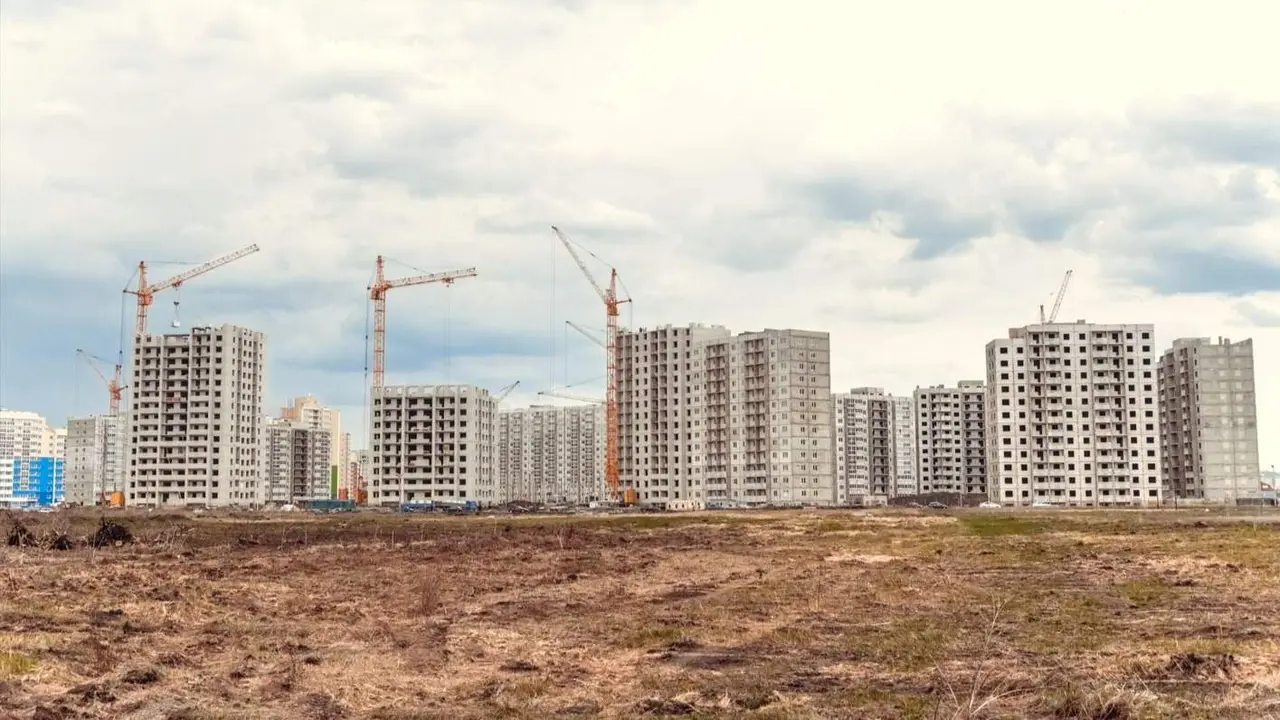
(196, 421)
(657, 397)
(1209, 420)
(308, 410)
(551, 454)
(433, 443)
(875, 446)
(761, 408)
(951, 438)
(296, 457)
(1072, 416)
(95, 463)
(29, 448)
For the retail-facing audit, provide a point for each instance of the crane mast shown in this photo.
(1062, 292)
(114, 388)
(608, 295)
(146, 293)
(378, 296)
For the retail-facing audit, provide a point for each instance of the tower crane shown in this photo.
(146, 293)
(114, 388)
(378, 295)
(504, 392)
(1057, 303)
(609, 296)
(571, 396)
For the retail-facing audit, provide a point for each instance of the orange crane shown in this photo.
(114, 388)
(611, 301)
(146, 293)
(378, 295)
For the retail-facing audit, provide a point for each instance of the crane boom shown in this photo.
(584, 332)
(1062, 291)
(378, 296)
(146, 293)
(570, 396)
(609, 296)
(504, 392)
(114, 388)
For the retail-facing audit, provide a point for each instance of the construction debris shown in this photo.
(109, 533)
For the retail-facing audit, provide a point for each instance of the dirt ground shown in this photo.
(841, 614)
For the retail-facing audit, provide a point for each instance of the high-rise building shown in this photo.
(95, 462)
(551, 454)
(297, 457)
(1209, 420)
(195, 425)
(1072, 416)
(762, 419)
(875, 448)
(31, 460)
(951, 433)
(308, 410)
(433, 443)
(656, 413)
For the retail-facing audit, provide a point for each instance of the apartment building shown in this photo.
(875, 446)
(31, 460)
(433, 443)
(308, 410)
(1072, 416)
(551, 454)
(656, 406)
(951, 454)
(1209, 420)
(196, 421)
(296, 459)
(761, 408)
(95, 460)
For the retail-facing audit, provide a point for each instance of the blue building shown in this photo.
(38, 480)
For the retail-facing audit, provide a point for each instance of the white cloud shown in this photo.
(914, 177)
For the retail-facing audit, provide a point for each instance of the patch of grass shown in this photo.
(1144, 592)
(654, 637)
(15, 663)
(830, 525)
(1000, 525)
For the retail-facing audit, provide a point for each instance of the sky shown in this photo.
(913, 177)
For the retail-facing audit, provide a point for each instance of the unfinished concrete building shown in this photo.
(95, 462)
(551, 454)
(1072, 416)
(762, 414)
(308, 410)
(297, 457)
(1209, 421)
(951, 438)
(875, 447)
(433, 443)
(656, 421)
(195, 425)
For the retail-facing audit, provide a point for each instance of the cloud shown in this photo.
(915, 193)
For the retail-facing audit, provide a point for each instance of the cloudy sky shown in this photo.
(914, 177)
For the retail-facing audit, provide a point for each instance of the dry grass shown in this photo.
(887, 614)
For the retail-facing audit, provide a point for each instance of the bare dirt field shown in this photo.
(892, 614)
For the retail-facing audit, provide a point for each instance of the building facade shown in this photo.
(551, 454)
(875, 446)
(95, 460)
(1209, 420)
(761, 408)
(28, 447)
(433, 443)
(307, 410)
(951, 454)
(1072, 417)
(196, 421)
(656, 413)
(297, 457)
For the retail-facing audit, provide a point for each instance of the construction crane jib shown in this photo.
(1057, 302)
(378, 296)
(114, 388)
(146, 293)
(611, 301)
(504, 392)
(571, 396)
